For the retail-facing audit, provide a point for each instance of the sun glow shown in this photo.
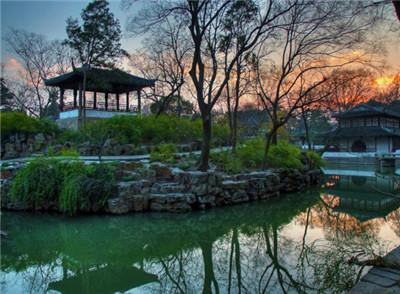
(383, 82)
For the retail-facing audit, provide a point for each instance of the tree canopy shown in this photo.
(97, 41)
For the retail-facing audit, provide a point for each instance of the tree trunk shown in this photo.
(229, 111)
(274, 138)
(306, 128)
(209, 276)
(179, 106)
(205, 147)
(236, 106)
(266, 149)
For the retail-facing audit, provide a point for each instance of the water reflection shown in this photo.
(298, 244)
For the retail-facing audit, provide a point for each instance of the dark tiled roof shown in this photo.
(101, 80)
(364, 132)
(372, 108)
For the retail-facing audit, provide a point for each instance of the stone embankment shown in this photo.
(144, 186)
(23, 144)
(20, 145)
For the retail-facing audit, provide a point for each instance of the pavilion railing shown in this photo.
(112, 107)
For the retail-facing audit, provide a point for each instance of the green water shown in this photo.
(298, 243)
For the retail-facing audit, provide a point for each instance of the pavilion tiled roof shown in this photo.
(101, 80)
(373, 108)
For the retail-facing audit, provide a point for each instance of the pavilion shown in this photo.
(107, 87)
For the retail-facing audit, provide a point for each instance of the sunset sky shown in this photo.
(48, 18)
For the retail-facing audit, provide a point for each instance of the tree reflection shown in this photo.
(260, 248)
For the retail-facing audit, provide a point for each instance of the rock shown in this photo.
(167, 188)
(163, 171)
(171, 202)
(234, 185)
(127, 149)
(140, 203)
(131, 165)
(118, 206)
(39, 143)
(6, 174)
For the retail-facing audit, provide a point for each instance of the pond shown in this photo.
(298, 243)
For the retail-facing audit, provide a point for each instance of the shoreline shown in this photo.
(157, 187)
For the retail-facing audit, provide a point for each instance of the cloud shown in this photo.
(13, 65)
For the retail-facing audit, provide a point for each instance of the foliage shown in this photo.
(170, 105)
(314, 159)
(220, 133)
(250, 155)
(72, 185)
(98, 40)
(70, 152)
(227, 162)
(38, 183)
(251, 152)
(285, 155)
(142, 129)
(20, 123)
(163, 153)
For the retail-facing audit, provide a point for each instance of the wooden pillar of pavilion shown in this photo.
(139, 105)
(117, 98)
(75, 96)
(106, 101)
(61, 99)
(94, 100)
(127, 102)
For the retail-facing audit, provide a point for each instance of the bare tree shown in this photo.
(166, 51)
(347, 88)
(204, 21)
(236, 26)
(314, 39)
(40, 59)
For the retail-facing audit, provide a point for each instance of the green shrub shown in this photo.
(38, 183)
(251, 153)
(70, 152)
(71, 185)
(72, 136)
(220, 133)
(314, 159)
(142, 129)
(163, 153)
(18, 122)
(227, 162)
(284, 155)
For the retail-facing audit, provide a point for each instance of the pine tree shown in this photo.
(97, 41)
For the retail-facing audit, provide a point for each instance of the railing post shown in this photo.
(94, 100)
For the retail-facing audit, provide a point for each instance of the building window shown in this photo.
(371, 121)
(358, 122)
(347, 123)
(392, 123)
